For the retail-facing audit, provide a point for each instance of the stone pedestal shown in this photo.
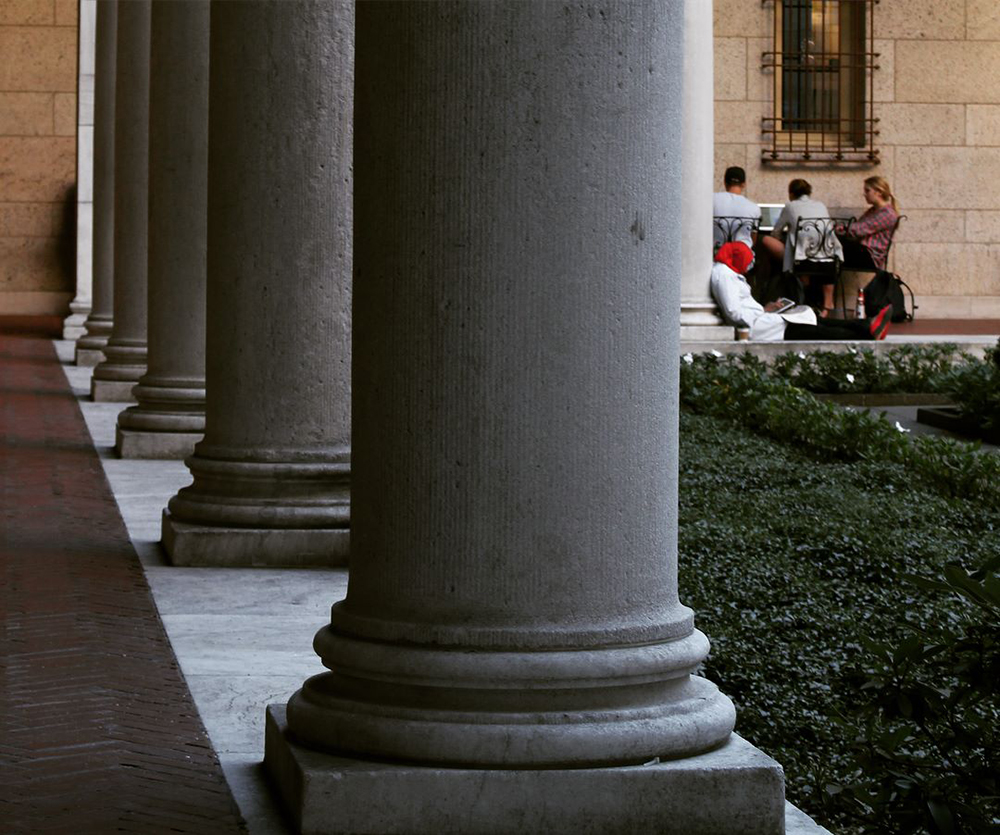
(700, 319)
(74, 324)
(170, 416)
(89, 347)
(271, 477)
(125, 352)
(512, 627)
(734, 788)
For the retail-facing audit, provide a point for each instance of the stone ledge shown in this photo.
(877, 398)
(735, 790)
(209, 545)
(131, 443)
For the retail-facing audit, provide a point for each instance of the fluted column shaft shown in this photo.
(697, 307)
(74, 324)
(513, 593)
(99, 321)
(170, 416)
(273, 467)
(125, 354)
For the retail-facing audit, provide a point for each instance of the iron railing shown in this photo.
(824, 64)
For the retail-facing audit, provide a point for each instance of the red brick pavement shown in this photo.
(98, 732)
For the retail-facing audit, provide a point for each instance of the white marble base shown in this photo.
(707, 333)
(73, 325)
(131, 443)
(112, 391)
(735, 790)
(89, 357)
(209, 545)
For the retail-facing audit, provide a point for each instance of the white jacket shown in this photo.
(732, 294)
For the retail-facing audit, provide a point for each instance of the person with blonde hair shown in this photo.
(867, 239)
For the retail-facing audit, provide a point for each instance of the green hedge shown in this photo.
(742, 389)
(906, 368)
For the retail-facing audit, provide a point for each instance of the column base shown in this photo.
(210, 545)
(133, 443)
(112, 391)
(734, 790)
(73, 326)
(89, 357)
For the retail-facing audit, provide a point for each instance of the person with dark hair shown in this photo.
(781, 244)
(731, 203)
(732, 293)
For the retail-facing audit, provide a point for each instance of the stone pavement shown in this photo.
(98, 732)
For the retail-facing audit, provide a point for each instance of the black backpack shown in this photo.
(887, 288)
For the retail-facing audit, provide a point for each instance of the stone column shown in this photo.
(271, 475)
(170, 417)
(512, 627)
(125, 354)
(89, 348)
(700, 317)
(73, 325)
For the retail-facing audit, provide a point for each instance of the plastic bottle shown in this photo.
(859, 307)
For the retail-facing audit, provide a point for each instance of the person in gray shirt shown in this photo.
(732, 204)
(781, 244)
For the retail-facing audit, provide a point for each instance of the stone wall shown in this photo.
(937, 96)
(38, 121)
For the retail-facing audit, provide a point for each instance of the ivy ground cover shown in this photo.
(796, 563)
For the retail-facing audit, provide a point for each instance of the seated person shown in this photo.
(732, 203)
(732, 293)
(867, 239)
(781, 244)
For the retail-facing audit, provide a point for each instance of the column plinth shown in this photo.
(512, 615)
(99, 323)
(125, 351)
(271, 477)
(167, 423)
(90, 346)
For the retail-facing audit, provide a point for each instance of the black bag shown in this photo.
(887, 288)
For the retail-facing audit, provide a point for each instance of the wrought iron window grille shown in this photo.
(823, 64)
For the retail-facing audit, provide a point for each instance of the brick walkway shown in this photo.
(98, 732)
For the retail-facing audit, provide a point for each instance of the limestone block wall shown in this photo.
(38, 124)
(937, 96)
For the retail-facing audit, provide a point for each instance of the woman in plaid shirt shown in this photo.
(867, 239)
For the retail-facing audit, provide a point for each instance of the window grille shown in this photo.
(823, 64)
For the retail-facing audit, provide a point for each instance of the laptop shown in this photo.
(769, 215)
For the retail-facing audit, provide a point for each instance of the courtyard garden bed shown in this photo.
(805, 530)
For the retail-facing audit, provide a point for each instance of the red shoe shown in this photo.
(879, 326)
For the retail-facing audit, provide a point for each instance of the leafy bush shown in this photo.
(906, 368)
(933, 720)
(975, 388)
(792, 565)
(740, 388)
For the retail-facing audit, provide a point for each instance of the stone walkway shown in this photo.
(98, 732)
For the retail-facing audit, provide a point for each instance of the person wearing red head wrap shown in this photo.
(740, 308)
(735, 255)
